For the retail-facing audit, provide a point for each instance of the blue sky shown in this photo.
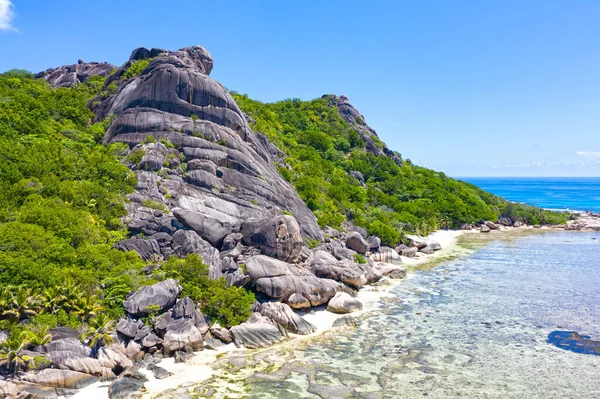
(472, 88)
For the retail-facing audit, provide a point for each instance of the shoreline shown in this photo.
(199, 367)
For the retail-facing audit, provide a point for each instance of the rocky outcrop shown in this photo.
(151, 298)
(220, 172)
(68, 75)
(358, 123)
(276, 237)
(343, 303)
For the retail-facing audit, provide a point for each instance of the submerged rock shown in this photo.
(125, 388)
(572, 341)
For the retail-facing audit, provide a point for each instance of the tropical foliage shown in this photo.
(322, 150)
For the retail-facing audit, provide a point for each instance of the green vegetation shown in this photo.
(322, 149)
(227, 305)
(360, 259)
(154, 205)
(136, 68)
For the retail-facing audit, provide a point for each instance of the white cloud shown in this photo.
(7, 13)
(595, 154)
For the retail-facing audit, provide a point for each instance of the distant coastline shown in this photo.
(555, 193)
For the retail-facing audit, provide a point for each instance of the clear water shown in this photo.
(581, 194)
(475, 327)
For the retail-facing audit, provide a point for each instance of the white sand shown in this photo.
(199, 367)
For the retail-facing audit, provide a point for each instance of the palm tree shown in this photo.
(51, 298)
(87, 307)
(98, 333)
(19, 303)
(39, 337)
(11, 357)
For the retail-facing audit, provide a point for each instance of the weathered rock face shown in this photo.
(283, 315)
(162, 295)
(220, 172)
(276, 237)
(68, 75)
(281, 280)
(323, 264)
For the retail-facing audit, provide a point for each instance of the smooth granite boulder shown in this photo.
(76, 362)
(256, 335)
(112, 359)
(357, 242)
(374, 243)
(146, 249)
(484, 229)
(283, 315)
(298, 301)
(57, 378)
(162, 295)
(492, 226)
(325, 265)
(184, 309)
(316, 290)
(181, 333)
(68, 345)
(343, 303)
(127, 327)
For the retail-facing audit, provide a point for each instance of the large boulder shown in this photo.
(324, 265)
(57, 378)
(184, 309)
(187, 242)
(181, 333)
(316, 290)
(150, 298)
(343, 303)
(275, 237)
(492, 225)
(76, 362)
(113, 359)
(256, 335)
(127, 327)
(283, 315)
(262, 266)
(357, 242)
(66, 345)
(209, 228)
(146, 249)
(374, 243)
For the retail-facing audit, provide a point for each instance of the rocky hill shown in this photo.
(158, 214)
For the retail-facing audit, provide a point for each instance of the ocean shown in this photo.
(565, 193)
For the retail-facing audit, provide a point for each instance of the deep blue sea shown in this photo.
(573, 193)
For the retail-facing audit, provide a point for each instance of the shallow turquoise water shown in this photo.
(471, 328)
